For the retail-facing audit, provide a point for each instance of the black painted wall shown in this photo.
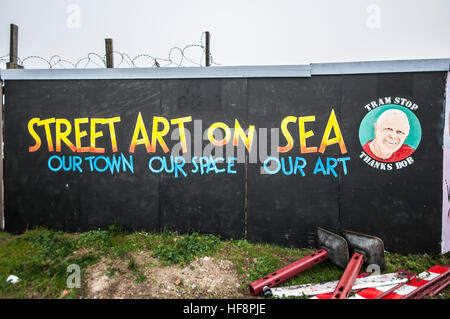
(403, 207)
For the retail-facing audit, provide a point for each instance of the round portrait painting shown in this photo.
(390, 133)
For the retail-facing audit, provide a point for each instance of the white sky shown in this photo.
(243, 32)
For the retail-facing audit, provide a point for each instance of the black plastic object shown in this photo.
(335, 245)
(371, 247)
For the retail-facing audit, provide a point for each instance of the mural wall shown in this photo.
(266, 159)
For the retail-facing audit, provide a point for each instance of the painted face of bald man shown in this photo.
(391, 131)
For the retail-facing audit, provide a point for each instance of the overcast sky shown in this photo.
(243, 32)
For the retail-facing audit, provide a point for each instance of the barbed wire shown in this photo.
(177, 57)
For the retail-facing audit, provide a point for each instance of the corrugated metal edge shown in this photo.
(445, 238)
(266, 71)
(394, 66)
(159, 73)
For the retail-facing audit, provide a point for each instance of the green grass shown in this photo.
(40, 258)
(183, 249)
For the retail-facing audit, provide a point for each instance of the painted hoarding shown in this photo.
(266, 159)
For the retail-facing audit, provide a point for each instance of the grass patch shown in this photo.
(414, 263)
(40, 258)
(183, 249)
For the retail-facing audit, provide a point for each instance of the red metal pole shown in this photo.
(440, 287)
(345, 284)
(288, 271)
(428, 287)
(386, 293)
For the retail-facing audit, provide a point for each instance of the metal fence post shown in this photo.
(109, 53)
(13, 48)
(207, 50)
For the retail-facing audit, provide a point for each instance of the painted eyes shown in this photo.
(399, 132)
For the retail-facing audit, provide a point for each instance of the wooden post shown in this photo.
(109, 53)
(207, 50)
(2, 220)
(13, 48)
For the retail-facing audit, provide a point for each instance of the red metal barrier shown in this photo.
(345, 284)
(440, 287)
(388, 292)
(429, 287)
(288, 271)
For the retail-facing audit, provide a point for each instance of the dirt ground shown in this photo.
(206, 277)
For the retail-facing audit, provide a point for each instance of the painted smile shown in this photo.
(390, 141)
